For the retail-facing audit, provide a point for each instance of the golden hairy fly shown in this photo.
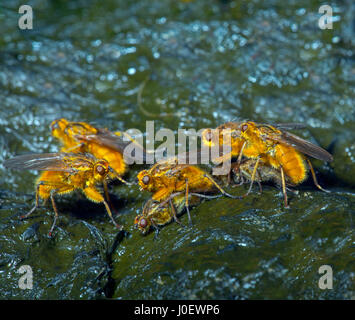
(155, 214)
(273, 146)
(64, 173)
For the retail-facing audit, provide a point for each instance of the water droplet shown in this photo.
(161, 20)
(36, 45)
(336, 39)
(301, 11)
(294, 27)
(131, 71)
(89, 58)
(252, 79)
(96, 43)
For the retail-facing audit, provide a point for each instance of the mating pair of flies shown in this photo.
(261, 152)
(91, 156)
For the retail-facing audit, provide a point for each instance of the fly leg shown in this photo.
(55, 212)
(187, 201)
(119, 177)
(220, 188)
(95, 196)
(284, 186)
(124, 181)
(205, 196)
(157, 230)
(291, 190)
(236, 169)
(258, 181)
(252, 177)
(107, 196)
(37, 202)
(110, 215)
(239, 160)
(174, 213)
(314, 177)
(240, 183)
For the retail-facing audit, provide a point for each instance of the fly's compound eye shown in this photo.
(100, 170)
(146, 180)
(143, 223)
(244, 127)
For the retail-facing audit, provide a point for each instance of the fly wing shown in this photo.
(44, 161)
(197, 157)
(113, 141)
(304, 146)
(289, 126)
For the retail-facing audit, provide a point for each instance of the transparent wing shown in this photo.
(66, 162)
(289, 126)
(111, 140)
(298, 143)
(305, 147)
(201, 158)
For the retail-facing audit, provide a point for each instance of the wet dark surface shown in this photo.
(204, 62)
